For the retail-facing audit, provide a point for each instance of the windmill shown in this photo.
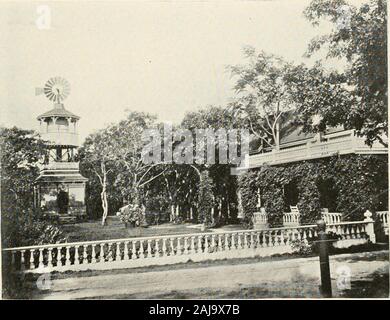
(56, 89)
(60, 175)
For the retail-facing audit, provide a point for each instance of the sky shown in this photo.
(165, 58)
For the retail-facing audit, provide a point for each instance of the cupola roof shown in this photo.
(58, 111)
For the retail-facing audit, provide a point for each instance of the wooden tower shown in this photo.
(60, 188)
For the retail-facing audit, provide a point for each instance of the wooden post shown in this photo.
(323, 244)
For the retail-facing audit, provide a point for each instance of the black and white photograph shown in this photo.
(194, 150)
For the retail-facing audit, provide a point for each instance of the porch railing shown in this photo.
(343, 142)
(136, 252)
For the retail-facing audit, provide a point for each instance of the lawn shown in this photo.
(115, 229)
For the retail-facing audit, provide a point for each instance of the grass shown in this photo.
(115, 229)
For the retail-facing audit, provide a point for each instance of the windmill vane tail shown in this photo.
(38, 91)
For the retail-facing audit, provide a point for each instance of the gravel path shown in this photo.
(284, 278)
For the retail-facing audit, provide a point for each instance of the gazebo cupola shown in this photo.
(60, 188)
(59, 128)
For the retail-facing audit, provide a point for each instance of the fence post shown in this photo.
(370, 226)
(323, 244)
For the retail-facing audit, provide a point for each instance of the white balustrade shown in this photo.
(344, 142)
(331, 217)
(176, 248)
(383, 217)
(291, 219)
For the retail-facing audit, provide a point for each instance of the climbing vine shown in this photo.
(360, 182)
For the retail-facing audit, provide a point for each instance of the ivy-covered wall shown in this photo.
(360, 182)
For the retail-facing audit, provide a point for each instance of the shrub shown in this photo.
(25, 228)
(302, 247)
(131, 214)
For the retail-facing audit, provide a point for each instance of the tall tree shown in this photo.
(263, 95)
(133, 174)
(359, 36)
(98, 156)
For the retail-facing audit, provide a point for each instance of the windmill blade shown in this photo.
(39, 91)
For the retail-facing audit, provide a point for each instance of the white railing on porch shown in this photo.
(291, 219)
(343, 142)
(136, 252)
(331, 217)
(383, 217)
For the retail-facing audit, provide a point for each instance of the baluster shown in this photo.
(50, 257)
(349, 235)
(213, 248)
(270, 240)
(164, 248)
(257, 239)
(149, 248)
(59, 257)
(226, 241)
(286, 237)
(22, 261)
(118, 252)
(219, 242)
(101, 253)
(67, 256)
(108, 256)
(142, 253)
(339, 231)
(361, 231)
(192, 245)
(299, 234)
(93, 259)
(32, 264)
(85, 254)
(233, 244)
(304, 236)
(172, 250)
(239, 244)
(354, 232)
(156, 248)
(179, 248)
(206, 244)
(252, 245)
(185, 246)
(264, 242)
(133, 251)
(126, 251)
(245, 235)
(199, 244)
(76, 255)
(41, 264)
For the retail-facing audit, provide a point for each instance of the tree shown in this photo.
(115, 156)
(321, 98)
(263, 95)
(359, 36)
(22, 154)
(128, 150)
(97, 155)
(206, 199)
(213, 176)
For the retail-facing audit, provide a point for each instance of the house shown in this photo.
(333, 171)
